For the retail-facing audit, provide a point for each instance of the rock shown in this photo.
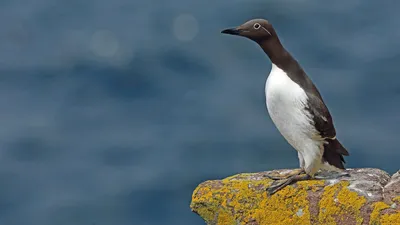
(368, 196)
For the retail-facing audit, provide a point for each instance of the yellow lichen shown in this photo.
(384, 219)
(289, 206)
(225, 218)
(390, 219)
(338, 202)
(203, 194)
(377, 207)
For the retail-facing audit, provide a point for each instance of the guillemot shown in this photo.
(296, 108)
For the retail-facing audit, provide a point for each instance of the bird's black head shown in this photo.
(258, 30)
(262, 32)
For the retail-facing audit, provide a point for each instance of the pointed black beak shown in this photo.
(232, 31)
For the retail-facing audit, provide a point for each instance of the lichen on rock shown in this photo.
(368, 196)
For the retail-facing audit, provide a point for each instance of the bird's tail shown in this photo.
(334, 152)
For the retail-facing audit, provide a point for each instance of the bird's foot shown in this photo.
(283, 176)
(285, 182)
(300, 176)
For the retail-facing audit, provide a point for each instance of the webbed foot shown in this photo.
(283, 176)
(293, 179)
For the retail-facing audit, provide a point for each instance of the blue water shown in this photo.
(113, 111)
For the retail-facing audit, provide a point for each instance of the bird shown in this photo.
(297, 109)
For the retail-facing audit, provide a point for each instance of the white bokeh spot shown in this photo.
(185, 27)
(104, 43)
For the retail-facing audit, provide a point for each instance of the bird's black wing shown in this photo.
(321, 116)
(324, 125)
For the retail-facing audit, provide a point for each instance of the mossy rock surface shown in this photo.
(368, 196)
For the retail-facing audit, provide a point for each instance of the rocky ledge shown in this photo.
(368, 196)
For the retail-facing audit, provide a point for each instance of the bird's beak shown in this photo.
(232, 31)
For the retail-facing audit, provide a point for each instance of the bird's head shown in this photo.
(258, 30)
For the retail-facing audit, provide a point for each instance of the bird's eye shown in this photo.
(257, 26)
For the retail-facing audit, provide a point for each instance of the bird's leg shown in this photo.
(301, 177)
(284, 176)
(293, 179)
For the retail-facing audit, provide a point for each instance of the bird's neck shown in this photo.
(276, 52)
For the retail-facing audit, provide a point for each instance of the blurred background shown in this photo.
(112, 112)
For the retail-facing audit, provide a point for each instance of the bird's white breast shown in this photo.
(286, 102)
